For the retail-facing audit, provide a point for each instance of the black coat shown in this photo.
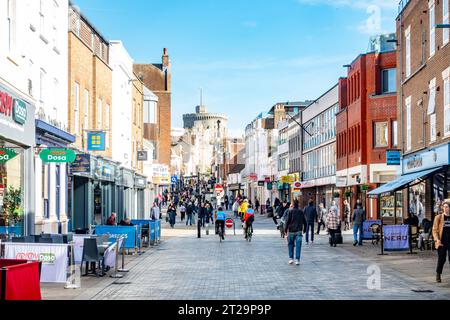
(310, 213)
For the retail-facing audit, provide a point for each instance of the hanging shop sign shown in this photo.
(96, 141)
(261, 183)
(142, 155)
(6, 155)
(393, 157)
(57, 155)
(82, 164)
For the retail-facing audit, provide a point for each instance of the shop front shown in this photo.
(81, 192)
(126, 195)
(319, 190)
(51, 179)
(105, 191)
(421, 188)
(140, 184)
(17, 180)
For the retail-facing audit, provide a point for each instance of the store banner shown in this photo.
(367, 230)
(128, 232)
(53, 257)
(396, 238)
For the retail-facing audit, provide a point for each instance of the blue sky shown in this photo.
(245, 54)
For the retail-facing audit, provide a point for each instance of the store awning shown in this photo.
(401, 183)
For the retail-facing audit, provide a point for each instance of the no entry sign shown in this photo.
(229, 223)
(219, 190)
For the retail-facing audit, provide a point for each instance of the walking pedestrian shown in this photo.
(257, 205)
(190, 212)
(279, 212)
(226, 201)
(235, 208)
(333, 223)
(155, 211)
(322, 215)
(172, 213)
(359, 216)
(295, 225)
(441, 235)
(346, 215)
(311, 216)
(182, 212)
(202, 214)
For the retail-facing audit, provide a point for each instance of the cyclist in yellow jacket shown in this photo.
(243, 208)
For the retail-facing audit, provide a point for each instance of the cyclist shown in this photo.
(243, 209)
(220, 221)
(249, 217)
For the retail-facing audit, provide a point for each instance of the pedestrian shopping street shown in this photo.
(187, 268)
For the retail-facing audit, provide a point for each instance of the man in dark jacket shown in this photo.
(359, 216)
(311, 216)
(294, 227)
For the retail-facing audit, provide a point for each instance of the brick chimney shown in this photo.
(165, 59)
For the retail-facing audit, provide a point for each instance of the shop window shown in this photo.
(11, 179)
(381, 135)
(417, 201)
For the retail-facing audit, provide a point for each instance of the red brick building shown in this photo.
(157, 78)
(367, 125)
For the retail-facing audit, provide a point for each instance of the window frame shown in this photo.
(383, 72)
(408, 52)
(432, 27)
(408, 124)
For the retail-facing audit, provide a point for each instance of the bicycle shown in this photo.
(221, 233)
(249, 233)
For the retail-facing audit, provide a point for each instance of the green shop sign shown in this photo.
(6, 155)
(20, 112)
(57, 155)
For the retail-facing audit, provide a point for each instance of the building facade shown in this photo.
(367, 126)
(319, 149)
(158, 78)
(423, 108)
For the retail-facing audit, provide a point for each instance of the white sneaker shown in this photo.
(297, 262)
(291, 261)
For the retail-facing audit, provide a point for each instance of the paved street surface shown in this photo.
(185, 267)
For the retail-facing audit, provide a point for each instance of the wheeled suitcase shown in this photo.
(338, 237)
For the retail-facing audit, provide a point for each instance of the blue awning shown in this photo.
(401, 182)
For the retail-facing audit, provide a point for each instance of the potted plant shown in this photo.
(12, 207)
(336, 195)
(348, 194)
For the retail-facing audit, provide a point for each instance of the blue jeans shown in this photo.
(357, 227)
(310, 226)
(189, 219)
(295, 240)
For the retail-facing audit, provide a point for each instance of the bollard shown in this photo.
(70, 284)
(123, 259)
(116, 267)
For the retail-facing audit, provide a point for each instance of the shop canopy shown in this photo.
(401, 183)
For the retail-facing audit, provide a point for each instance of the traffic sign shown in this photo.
(174, 180)
(229, 223)
(219, 191)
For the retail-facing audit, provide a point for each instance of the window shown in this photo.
(389, 80)
(99, 114)
(432, 99)
(76, 108)
(445, 20)
(408, 124)
(42, 86)
(11, 24)
(433, 128)
(107, 122)
(408, 51)
(432, 19)
(394, 133)
(446, 78)
(86, 110)
(42, 17)
(55, 99)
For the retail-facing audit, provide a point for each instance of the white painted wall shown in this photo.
(122, 65)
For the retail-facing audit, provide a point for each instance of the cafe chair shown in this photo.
(92, 255)
(45, 240)
(57, 238)
(29, 239)
(414, 235)
(376, 233)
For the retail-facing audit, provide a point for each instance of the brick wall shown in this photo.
(423, 70)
